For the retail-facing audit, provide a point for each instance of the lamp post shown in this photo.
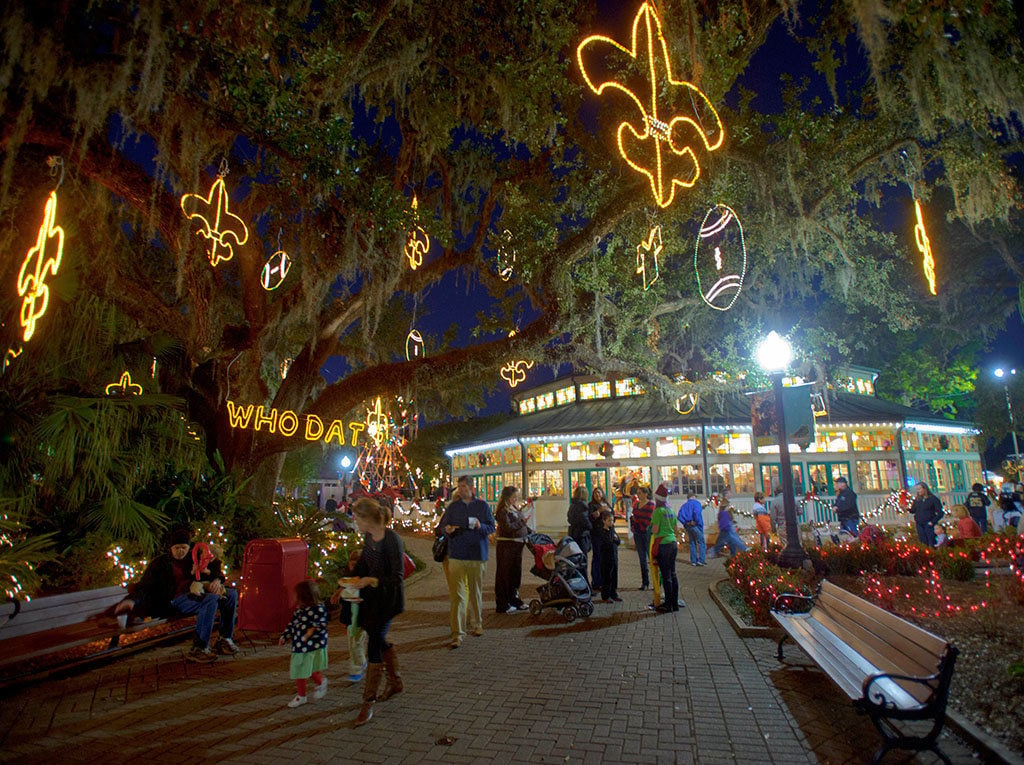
(1001, 373)
(774, 355)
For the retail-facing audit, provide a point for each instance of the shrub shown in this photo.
(761, 582)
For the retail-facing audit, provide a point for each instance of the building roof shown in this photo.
(631, 414)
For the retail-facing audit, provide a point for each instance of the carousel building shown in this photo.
(608, 432)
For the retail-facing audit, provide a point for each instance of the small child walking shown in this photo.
(308, 633)
(349, 599)
(608, 540)
(763, 520)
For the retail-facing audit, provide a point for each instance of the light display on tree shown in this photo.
(381, 463)
(673, 116)
(720, 258)
(41, 262)
(377, 423)
(124, 387)
(285, 422)
(649, 247)
(925, 248)
(216, 221)
(414, 345)
(506, 256)
(514, 372)
(417, 241)
(11, 355)
(275, 270)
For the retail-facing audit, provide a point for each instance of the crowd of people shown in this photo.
(188, 578)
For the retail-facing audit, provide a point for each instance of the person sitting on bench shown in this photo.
(185, 581)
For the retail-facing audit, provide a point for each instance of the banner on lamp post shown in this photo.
(796, 404)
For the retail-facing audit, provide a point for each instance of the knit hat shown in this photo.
(180, 536)
(661, 491)
(841, 479)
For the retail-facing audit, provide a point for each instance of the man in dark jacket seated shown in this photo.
(181, 583)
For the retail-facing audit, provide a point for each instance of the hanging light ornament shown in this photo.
(506, 256)
(720, 258)
(651, 246)
(514, 372)
(41, 261)
(668, 111)
(275, 270)
(124, 387)
(377, 423)
(216, 221)
(417, 242)
(414, 345)
(924, 246)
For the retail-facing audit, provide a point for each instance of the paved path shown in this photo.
(625, 686)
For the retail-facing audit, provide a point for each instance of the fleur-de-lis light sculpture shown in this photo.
(124, 387)
(42, 261)
(924, 246)
(378, 423)
(417, 241)
(672, 117)
(222, 228)
(514, 372)
(651, 246)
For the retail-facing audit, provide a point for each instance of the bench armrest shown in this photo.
(790, 597)
(878, 697)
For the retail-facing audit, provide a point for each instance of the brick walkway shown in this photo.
(624, 686)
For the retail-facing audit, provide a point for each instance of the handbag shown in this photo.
(408, 566)
(440, 549)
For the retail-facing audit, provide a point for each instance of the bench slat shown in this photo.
(932, 643)
(62, 599)
(846, 668)
(45, 616)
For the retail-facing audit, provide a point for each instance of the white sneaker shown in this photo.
(298, 701)
(321, 690)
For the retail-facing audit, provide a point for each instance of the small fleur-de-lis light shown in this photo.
(124, 387)
(417, 242)
(514, 372)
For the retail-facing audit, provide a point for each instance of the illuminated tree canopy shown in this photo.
(333, 116)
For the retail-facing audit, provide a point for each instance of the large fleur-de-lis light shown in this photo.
(924, 245)
(123, 387)
(417, 241)
(41, 261)
(506, 256)
(673, 116)
(216, 221)
(275, 270)
(514, 372)
(377, 423)
(651, 246)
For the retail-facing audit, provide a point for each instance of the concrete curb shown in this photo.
(992, 748)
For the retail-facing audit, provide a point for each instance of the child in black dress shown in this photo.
(608, 541)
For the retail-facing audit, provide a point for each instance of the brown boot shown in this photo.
(371, 683)
(394, 683)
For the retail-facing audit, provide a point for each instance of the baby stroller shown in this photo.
(561, 566)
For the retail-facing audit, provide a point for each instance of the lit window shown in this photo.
(545, 483)
(527, 405)
(634, 447)
(594, 390)
(544, 452)
(584, 451)
(545, 401)
(680, 445)
(565, 395)
(628, 387)
(878, 475)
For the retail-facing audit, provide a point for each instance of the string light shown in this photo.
(653, 246)
(719, 248)
(285, 422)
(217, 223)
(37, 266)
(655, 149)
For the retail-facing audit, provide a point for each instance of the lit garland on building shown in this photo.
(664, 106)
(39, 263)
(217, 223)
(651, 246)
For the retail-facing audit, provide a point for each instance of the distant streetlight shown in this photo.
(774, 355)
(1007, 373)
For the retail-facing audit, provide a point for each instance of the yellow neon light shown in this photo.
(414, 345)
(32, 287)
(514, 372)
(687, 403)
(417, 242)
(653, 246)
(123, 387)
(11, 355)
(275, 270)
(377, 425)
(925, 247)
(225, 224)
(285, 422)
(506, 256)
(656, 148)
(285, 366)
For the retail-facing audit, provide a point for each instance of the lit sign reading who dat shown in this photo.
(285, 422)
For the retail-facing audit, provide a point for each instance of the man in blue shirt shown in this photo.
(467, 521)
(691, 516)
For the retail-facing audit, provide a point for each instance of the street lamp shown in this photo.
(1001, 373)
(774, 355)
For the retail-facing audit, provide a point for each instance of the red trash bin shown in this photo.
(270, 570)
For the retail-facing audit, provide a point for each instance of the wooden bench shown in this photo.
(31, 631)
(893, 671)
